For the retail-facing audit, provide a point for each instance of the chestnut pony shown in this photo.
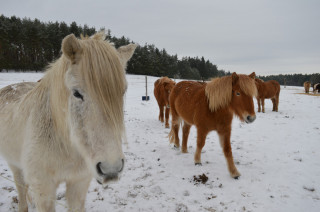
(162, 89)
(211, 106)
(268, 90)
(306, 86)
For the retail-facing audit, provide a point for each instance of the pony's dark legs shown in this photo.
(224, 138)
(167, 112)
(21, 187)
(185, 135)
(201, 139)
(306, 89)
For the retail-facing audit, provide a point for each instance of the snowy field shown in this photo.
(278, 156)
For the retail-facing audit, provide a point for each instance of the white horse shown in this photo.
(69, 126)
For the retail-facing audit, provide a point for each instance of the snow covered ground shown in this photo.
(278, 156)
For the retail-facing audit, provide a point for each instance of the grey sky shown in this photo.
(265, 36)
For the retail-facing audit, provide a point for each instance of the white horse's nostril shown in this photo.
(98, 166)
(122, 160)
(107, 169)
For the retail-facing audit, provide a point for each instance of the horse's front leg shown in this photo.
(44, 195)
(226, 146)
(21, 187)
(259, 105)
(76, 194)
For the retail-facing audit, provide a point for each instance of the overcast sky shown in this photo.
(265, 36)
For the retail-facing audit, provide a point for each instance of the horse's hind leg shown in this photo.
(76, 194)
(21, 187)
(167, 112)
(262, 103)
(174, 134)
(274, 103)
(175, 125)
(201, 140)
(161, 113)
(226, 146)
(277, 101)
(185, 135)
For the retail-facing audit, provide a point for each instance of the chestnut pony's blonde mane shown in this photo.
(102, 74)
(219, 90)
(165, 79)
(259, 80)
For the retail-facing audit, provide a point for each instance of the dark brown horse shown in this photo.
(162, 89)
(211, 106)
(268, 90)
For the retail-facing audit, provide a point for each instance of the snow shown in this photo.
(278, 156)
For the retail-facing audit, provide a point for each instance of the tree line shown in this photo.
(30, 45)
(293, 79)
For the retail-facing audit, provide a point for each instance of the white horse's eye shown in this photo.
(77, 94)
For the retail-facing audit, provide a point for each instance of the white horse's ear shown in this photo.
(253, 75)
(71, 48)
(126, 53)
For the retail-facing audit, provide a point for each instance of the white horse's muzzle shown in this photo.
(107, 172)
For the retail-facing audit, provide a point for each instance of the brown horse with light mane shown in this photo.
(307, 86)
(268, 90)
(211, 106)
(162, 89)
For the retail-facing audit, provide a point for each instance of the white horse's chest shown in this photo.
(50, 158)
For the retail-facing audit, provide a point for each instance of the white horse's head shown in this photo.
(96, 84)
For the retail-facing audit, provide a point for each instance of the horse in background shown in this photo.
(69, 126)
(211, 106)
(306, 86)
(162, 89)
(268, 90)
(316, 88)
